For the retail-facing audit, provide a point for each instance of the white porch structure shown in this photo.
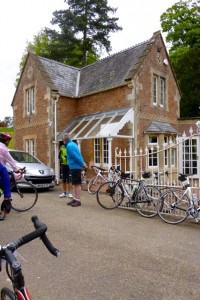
(107, 124)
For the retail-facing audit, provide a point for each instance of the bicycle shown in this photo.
(13, 266)
(24, 193)
(142, 197)
(176, 204)
(96, 181)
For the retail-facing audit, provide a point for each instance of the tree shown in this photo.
(40, 46)
(84, 31)
(182, 24)
(7, 122)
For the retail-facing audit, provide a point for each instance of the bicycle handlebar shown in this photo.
(44, 238)
(39, 232)
(98, 168)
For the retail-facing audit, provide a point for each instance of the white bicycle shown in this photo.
(175, 205)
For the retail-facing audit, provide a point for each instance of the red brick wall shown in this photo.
(35, 125)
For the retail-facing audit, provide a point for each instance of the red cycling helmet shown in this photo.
(5, 137)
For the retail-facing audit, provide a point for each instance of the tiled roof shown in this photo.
(160, 127)
(104, 74)
(62, 77)
(111, 71)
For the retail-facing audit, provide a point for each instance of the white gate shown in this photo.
(181, 155)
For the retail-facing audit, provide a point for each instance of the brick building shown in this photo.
(128, 99)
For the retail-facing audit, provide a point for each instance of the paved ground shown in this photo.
(105, 254)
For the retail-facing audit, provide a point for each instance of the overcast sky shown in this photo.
(22, 19)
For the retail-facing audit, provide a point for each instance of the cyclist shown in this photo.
(5, 157)
(5, 185)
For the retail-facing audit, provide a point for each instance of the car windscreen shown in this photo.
(23, 157)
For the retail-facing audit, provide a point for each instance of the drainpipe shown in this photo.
(55, 97)
(109, 152)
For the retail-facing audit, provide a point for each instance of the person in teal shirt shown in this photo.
(76, 165)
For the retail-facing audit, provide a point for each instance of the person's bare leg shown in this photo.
(64, 187)
(77, 192)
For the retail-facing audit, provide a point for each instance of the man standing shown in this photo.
(76, 164)
(65, 171)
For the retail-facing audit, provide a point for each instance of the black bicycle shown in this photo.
(24, 194)
(139, 195)
(13, 266)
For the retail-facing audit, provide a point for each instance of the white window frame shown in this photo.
(153, 159)
(166, 157)
(153, 142)
(151, 137)
(28, 108)
(30, 146)
(173, 156)
(162, 91)
(105, 151)
(187, 159)
(155, 90)
(97, 151)
(32, 90)
(30, 100)
(159, 90)
(101, 151)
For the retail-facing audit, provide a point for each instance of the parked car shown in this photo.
(36, 172)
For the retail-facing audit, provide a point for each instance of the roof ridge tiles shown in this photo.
(118, 53)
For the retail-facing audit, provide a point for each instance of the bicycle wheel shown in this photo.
(94, 184)
(7, 294)
(24, 196)
(173, 206)
(84, 184)
(110, 195)
(146, 201)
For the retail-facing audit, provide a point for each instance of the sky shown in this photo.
(22, 19)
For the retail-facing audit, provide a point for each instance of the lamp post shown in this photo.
(55, 97)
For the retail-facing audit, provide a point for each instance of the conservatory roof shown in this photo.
(100, 125)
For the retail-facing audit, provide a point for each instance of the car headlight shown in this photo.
(52, 171)
(28, 173)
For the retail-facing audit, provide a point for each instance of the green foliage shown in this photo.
(10, 131)
(84, 31)
(7, 122)
(182, 24)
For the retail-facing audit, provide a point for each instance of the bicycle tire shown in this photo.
(146, 201)
(94, 184)
(110, 195)
(173, 206)
(6, 293)
(24, 196)
(84, 185)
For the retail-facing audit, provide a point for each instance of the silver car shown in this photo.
(36, 172)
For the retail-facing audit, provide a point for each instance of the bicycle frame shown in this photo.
(17, 277)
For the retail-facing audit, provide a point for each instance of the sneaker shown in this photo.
(71, 202)
(76, 203)
(70, 195)
(2, 218)
(63, 195)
